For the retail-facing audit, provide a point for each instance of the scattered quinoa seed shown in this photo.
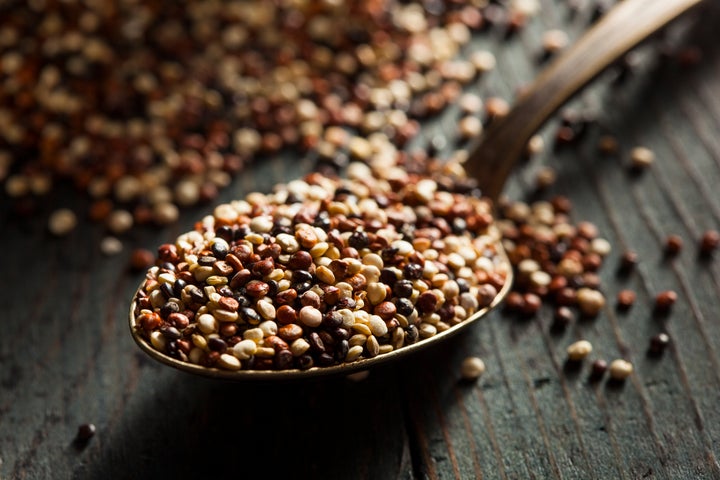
(554, 41)
(483, 60)
(496, 107)
(17, 186)
(470, 103)
(531, 304)
(709, 242)
(600, 246)
(673, 245)
(119, 221)
(620, 369)
(472, 368)
(535, 146)
(469, 127)
(85, 432)
(141, 259)
(514, 301)
(579, 350)
(658, 343)
(62, 222)
(641, 158)
(665, 300)
(110, 246)
(590, 302)
(545, 178)
(598, 369)
(628, 261)
(608, 145)
(563, 317)
(625, 299)
(129, 103)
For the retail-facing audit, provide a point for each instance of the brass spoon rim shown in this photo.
(339, 369)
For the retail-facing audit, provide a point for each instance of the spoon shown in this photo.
(623, 27)
(490, 162)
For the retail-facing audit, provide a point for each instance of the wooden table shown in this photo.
(66, 356)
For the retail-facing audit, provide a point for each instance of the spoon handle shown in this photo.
(492, 158)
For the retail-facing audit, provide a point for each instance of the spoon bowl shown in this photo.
(339, 369)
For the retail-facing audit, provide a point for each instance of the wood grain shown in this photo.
(66, 356)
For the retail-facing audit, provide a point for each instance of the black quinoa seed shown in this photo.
(358, 240)
(413, 271)
(404, 288)
(85, 432)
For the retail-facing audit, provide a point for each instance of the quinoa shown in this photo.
(324, 271)
(153, 106)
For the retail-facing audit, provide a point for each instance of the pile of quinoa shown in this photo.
(152, 106)
(325, 271)
(556, 260)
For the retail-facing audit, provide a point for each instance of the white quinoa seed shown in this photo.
(187, 193)
(110, 246)
(196, 355)
(554, 40)
(536, 145)
(127, 188)
(354, 353)
(528, 266)
(620, 369)
(600, 246)
(254, 334)
(120, 221)
(590, 302)
(268, 328)
(165, 213)
(470, 127)
(310, 316)
(266, 309)
(39, 184)
(385, 348)
(483, 60)
(579, 350)
(265, 352)
(427, 330)
(299, 347)
(472, 368)
(540, 278)
(62, 222)
(207, 323)
(528, 8)
(470, 103)
(229, 362)
(377, 325)
(372, 346)
(641, 157)
(376, 292)
(545, 177)
(244, 349)
(157, 340)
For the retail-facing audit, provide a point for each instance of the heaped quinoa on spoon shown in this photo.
(324, 271)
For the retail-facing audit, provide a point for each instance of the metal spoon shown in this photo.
(493, 157)
(623, 27)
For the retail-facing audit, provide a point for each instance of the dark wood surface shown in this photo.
(66, 356)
